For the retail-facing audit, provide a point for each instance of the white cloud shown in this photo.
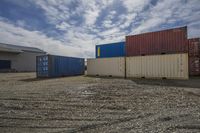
(129, 19)
(91, 11)
(77, 41)
(55, 10)
(80, 35)
(109, 32)
(91, 16)
(156, 16)
(59, 11)
(19, 36)
(21, 23)
(108, 22)
(63, 26)
(168, 12)
(194, 29)
(135, 5)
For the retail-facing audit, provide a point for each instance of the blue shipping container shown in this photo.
(58, 66)
(110, 50)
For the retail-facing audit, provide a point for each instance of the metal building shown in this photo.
(18, 58)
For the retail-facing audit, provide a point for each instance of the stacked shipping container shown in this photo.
(110, 50)
(156, 43)
(110, 60)
(57, 66)
(171, 42)
(144, 56)
(170, 66)
(194, 56)
(106, 67)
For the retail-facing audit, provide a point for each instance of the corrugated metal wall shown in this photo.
(66, 66)
(162, 42)
(173, 66)
(194, 56)
(194, 47)
(110, 50)
(22, 62)
(106, 67)
(42, 66)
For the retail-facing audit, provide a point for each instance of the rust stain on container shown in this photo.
(194, 56)
(194, 66)
(194, 47)
(161, 42)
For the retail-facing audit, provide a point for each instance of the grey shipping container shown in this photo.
(58, 66)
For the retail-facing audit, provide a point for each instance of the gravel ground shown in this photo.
(86, 104)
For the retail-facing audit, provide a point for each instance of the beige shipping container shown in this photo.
(106, 67)
(172, 66)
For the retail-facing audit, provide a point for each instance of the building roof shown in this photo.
(18, 49)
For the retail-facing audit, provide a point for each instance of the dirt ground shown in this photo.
(88, 104)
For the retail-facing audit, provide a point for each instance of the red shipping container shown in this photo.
(194, 47)
(194, 66)
(161, 42)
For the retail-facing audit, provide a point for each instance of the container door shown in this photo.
(42, 66)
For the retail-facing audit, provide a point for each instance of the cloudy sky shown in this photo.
(74, 27)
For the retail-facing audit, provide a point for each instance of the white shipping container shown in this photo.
(106, 67)
(172, 66)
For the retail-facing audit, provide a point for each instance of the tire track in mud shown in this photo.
(56, 119)
(190, 127)
(34, 127)
(113, 122)
(66, 106)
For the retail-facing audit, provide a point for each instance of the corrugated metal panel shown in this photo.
(173, 66)
(57, 66)
(42, 66)
(19, 49)
(162, 42)
(10, 50)
(194, 47)
(106, 67)
(110, 50)
(194, 66)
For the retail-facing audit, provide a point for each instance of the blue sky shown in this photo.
(74, 27)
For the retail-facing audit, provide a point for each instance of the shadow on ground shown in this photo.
(193, 82)
(34, 79)
(42, 79)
